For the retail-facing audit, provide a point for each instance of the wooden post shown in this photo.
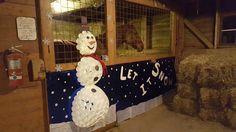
(46, 34)
(179, 40)
(111, 29)
(173, 32)
(217, 24)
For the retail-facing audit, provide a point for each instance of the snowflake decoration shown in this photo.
(46, 41)
(58, 68)
(49, 16)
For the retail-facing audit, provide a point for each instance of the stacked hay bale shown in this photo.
(206, 87)
(186, 100)
(216, 81)
(231, 114)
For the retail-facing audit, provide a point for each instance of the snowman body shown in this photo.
(90, 104)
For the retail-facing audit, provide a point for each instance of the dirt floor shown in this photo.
(160, 119)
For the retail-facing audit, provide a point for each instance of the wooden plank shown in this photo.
(25, 2)
(151, 3)
(120, 60)
(191, 41)
(180, 40)
(68, 66)
(46, 34)
(111, 30)
(173, 32)
(22, 110)
(217, 25)
(198, 33)
(12, 9)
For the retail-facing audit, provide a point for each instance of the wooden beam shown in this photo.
(217, 25)
(173, 29)
(198, 34)
(46, 34)
(151, 3)
(111, 29)
(179, 40)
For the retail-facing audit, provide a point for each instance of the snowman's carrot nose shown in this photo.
(91, 42)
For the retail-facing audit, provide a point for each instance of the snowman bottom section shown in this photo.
(90, 105)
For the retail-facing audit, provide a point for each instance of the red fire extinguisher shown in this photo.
(13, 61)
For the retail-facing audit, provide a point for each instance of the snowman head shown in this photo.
(86, 43)
(89, 106)
(89, 71)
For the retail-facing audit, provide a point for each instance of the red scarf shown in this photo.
(98, 58)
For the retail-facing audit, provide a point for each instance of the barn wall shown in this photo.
(192, 45)
(22, 108)
(206, 25)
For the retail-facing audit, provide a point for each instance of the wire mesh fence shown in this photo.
(67, 21)
(141, 29)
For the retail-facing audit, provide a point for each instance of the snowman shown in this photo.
(90, 104)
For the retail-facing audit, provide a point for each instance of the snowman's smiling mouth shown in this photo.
(91, 48)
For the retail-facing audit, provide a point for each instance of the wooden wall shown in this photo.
(206, 25)
(21, 109)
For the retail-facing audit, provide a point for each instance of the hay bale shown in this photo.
(224, 98)
(210, 98)
(188, 68)
(214, 76)
(213, 115)
(233, 98)
(186, 73)
(186, 91)
(231, 119)
(185, 106)
(208, 76)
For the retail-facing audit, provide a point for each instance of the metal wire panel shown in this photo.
(66, 23)
(141, 30)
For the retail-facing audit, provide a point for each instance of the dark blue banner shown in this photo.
(125, 85)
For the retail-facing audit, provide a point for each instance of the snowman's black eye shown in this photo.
(91, 37)
(87, 37)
